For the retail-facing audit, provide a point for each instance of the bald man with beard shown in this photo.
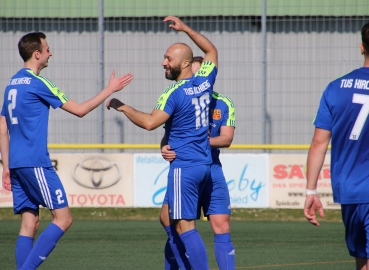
(184, 109)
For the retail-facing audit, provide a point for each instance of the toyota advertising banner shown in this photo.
(96, 180)
(288, 182)
(246, 177)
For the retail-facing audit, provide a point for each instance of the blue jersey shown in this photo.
(343, 110)
(27, 100)
(222, 114)
(187, 102)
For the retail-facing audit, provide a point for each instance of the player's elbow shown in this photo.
(228, 142)
(150, 126)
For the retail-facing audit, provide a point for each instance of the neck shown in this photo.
(36, 69)
(186, 73)
(366, 61)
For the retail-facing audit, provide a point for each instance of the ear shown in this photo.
(362, 49)
(36, 54)
(185, 64)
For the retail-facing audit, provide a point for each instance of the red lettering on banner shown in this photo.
(71, 198)
(120, 200)
(278, 185)
(297, 185)
(280, 172)
(296, 171)
(94, 200)
(82, 199)
(102, 202)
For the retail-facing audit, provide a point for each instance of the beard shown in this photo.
(173, 74)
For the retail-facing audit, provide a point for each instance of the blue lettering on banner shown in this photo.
(251, 188)
(159, 192)
(150, 160)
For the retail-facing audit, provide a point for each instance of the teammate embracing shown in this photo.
(215, 199)
(184, 108)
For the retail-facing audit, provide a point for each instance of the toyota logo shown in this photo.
(96, 173)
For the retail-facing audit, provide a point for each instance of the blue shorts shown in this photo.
(356, 218)
(32, 187)
(215, 199)
(185, 187)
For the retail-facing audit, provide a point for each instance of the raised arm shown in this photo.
(4, 148)
(211, 53)
(115, 84)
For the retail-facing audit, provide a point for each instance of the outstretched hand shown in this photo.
(177, 23)
(6, 180)
(313, 204)
(118, 83)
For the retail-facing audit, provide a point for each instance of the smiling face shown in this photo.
(171, 63)
(44, 55)
(176, 59)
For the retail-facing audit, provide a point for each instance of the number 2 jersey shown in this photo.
(187, 102)
(27, 99)
(343, 110)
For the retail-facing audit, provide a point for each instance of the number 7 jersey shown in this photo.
(344, 110)
(187, 102)
(27, 99)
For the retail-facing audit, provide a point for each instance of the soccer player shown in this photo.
(184, 108)
(343, 118)
(27, 169)
(215, 200)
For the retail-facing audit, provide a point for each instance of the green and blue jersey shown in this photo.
(188, 104)
(27, 99)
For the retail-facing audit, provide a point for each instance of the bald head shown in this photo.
(177, 61)
(182, 51)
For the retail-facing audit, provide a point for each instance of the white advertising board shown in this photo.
(288, 182)
(246, 176)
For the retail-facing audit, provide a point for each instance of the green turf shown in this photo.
(138, 244)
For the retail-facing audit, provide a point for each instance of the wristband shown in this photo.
(311, 192)
(115, 103)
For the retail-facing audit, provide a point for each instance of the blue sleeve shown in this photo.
(48, 92)
(323, 117)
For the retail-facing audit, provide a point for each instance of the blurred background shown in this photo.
(275, 60)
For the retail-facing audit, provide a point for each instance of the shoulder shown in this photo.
(219, 99)
(41, 80)
(206, 69)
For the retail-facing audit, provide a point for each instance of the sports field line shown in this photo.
(290, 264)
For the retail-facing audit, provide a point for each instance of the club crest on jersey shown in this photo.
(217, 114)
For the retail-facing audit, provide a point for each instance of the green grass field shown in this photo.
(136, 241)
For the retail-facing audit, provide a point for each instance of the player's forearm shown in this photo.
(221, 141)
(91, 104)
(4, 143)
(141, 119)
(315, 162)
(201, 41)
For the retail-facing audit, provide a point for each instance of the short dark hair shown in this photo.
(197, 59)
(365, 37)
(29, 43)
